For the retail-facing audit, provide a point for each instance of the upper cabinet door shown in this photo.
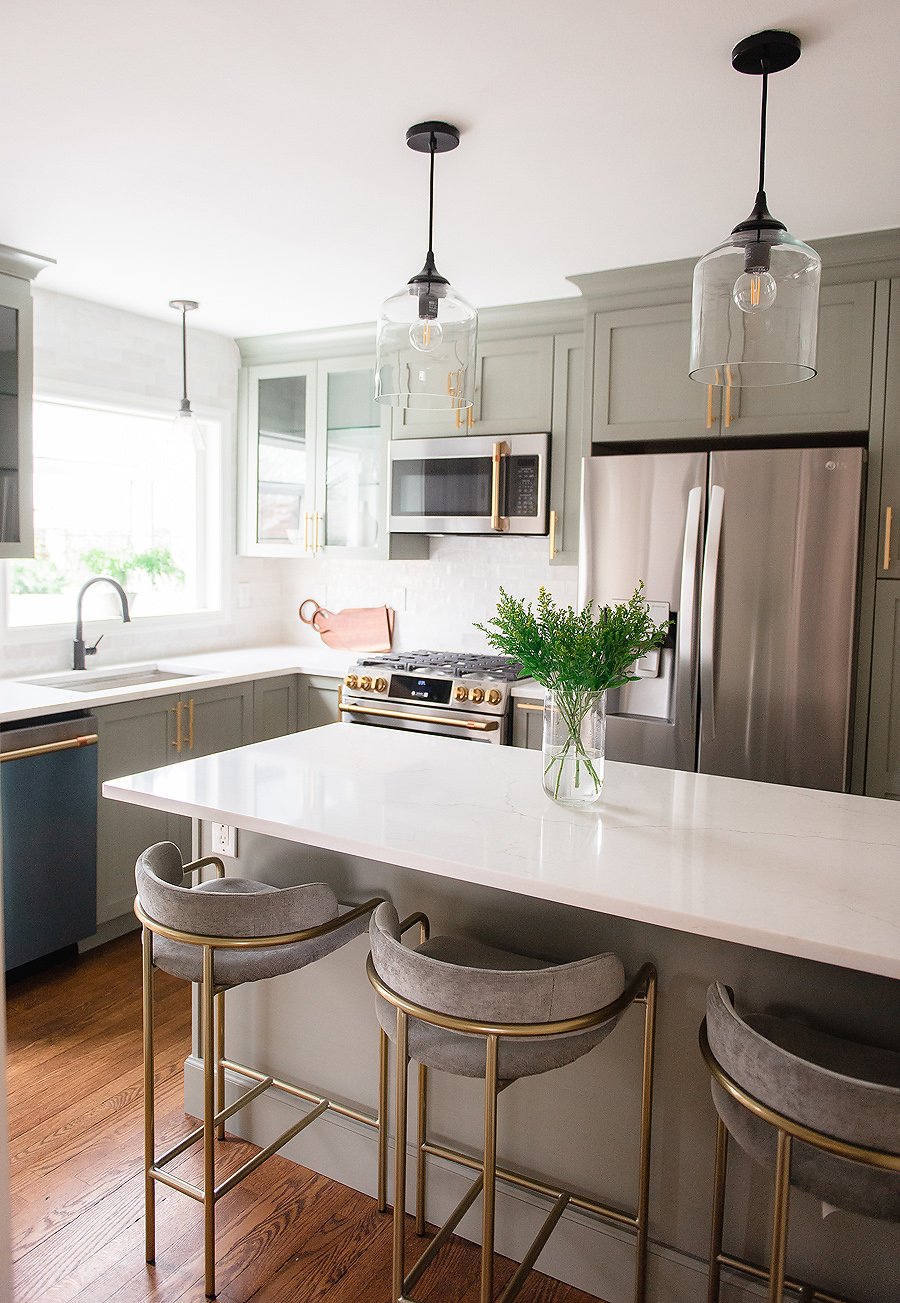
(350, 517)
(837, 398)
(889, 524)
(641, 388)
(567, 448)
(513, 394)
(278, 459)
(16, 514)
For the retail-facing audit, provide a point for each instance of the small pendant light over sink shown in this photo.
(185, 425)
(756, 295)
(425, 346)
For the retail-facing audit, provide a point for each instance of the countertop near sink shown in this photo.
(28, 700)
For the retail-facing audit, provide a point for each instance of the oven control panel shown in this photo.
(469, 693)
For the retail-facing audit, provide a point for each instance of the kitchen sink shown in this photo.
(102, 681)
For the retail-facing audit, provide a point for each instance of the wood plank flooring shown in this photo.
(286, 1234)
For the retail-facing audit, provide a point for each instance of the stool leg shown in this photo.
(718, 1216)
(490, 1171)
(421, 1136)
(780, 1217)
(149, 1097)
(220, 1055)
(383, 1044)
(207, 1001)
(643, 1228)
(402, 1070)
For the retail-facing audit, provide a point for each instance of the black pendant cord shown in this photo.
(433, 147)
(761, 188)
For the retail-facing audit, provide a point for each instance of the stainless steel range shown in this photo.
(454, 694)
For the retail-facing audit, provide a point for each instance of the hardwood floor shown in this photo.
(286, 1234)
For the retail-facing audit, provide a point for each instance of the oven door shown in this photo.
(469, 485)
(425, 719)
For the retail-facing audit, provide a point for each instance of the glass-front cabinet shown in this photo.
(315, 462)
(16, 523)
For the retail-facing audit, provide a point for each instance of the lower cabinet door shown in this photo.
(274, 707)
(528, 724)
(319, 698)
(215, 719)
(883, 755)
(133, 737)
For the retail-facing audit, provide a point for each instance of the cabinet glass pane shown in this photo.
(9, 426)
(353, 460)
(281, 459)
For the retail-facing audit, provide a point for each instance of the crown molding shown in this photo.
(17, 262)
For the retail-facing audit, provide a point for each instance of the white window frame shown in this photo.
(131, 404)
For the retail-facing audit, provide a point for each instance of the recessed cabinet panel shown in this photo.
(642, 389)
(566, 448)
(274, 707)
(883, 757)
(16, 519)
(528, 725)
(889, 520)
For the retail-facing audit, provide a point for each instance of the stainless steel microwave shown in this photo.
(470, 485)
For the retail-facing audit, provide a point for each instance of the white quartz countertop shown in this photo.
(806, 873)
(41, 695)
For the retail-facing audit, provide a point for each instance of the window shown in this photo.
(115, 493)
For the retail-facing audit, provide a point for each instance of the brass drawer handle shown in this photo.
(191, 724)
(177, 711)
(528, 705)
(553, 520)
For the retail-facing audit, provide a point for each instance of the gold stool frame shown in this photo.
(215, 1065)
(788, 1131)
(641, 990)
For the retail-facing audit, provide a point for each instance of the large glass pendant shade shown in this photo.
(425, 348)
(755, 311)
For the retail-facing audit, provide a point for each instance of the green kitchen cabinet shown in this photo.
(212, 720)
(883, 753)
(888, 566)
(513, 394)
(527, 724)
(319, 699)
(275, 703)
(567, 448)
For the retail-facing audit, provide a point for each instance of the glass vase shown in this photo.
(574, 746)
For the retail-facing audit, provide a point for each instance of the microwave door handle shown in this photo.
(708, 601)
(687, 612)
(498, 522)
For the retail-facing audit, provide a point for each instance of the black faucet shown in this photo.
(80, 651)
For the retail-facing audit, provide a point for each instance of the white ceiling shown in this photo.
(251, 154)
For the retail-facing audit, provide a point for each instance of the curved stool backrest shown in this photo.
(216, 911)
(539, 995)
(844, 1106)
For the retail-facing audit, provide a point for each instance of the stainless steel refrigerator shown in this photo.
(754, 552)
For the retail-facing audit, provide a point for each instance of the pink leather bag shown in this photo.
(361, 628)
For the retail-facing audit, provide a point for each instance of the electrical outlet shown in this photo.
(224, 840)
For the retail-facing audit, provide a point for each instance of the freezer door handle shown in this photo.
(687, 615)
(708, 598)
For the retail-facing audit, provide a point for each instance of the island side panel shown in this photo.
(578, 1126)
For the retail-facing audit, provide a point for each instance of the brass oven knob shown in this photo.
(477, 695)
(494, 696)
(365, 683)
(381, 685)
(352, 681)
(461, 694)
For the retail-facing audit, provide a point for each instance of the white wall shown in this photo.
(83, 347)
(436, 600)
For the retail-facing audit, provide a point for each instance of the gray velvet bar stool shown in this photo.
(222, 933)
(822, 1111)
(474, 1011)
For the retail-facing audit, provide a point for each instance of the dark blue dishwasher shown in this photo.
(48, 790)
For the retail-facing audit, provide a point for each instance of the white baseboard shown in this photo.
(116, 927)
(583, 1251)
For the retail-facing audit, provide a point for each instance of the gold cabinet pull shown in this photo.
(191, 724)
(306, 531)
(888, 523)
(459, 418)
(470, 417)
(177, 711)
(498, 522)
(709, 407)
(316, 519)
(553, 519)
(728, 401)
(528, 705)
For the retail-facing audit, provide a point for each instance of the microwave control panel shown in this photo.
(523, 486)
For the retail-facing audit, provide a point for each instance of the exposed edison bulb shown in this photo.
(425, 335)
(754, 290)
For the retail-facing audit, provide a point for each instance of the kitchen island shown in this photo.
(791, 896)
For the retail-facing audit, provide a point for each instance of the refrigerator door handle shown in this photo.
(687, 615)
(708, 599)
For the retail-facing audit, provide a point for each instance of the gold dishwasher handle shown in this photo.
(474, 725)
(47, 748)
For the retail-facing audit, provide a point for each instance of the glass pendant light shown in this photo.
(756, 295)
(185, 426)
(425, 344)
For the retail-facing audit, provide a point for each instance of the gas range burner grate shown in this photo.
(458, 664)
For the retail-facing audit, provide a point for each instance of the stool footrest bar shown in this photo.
(443, 1235)
(246, 1098)
(538, 1187)
(367, 1119)
(747, 1268)
(258, 1159)
(534, 1251)
(185, 1187)
(179, 1147)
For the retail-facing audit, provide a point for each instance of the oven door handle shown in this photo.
(498, 522)
(475, 725)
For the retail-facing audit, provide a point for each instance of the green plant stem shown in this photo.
(573, 705)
